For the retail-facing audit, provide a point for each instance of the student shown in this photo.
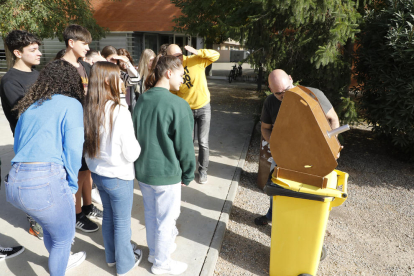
(144, 67)
(125, 66)
(163, 125)
(129, 77)
(93, 56)
(13, 86)
(111, 149)
(77, 39)
(195, 92)
(43, 178)
(163, 49)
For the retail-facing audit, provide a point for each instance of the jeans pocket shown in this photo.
(36, 198)
(110, 183)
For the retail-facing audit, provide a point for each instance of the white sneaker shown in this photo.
(76, 259)
(96, 197)
(134, 247)
(174, 268)
(151, 258)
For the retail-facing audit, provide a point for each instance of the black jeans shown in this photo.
(202, 118)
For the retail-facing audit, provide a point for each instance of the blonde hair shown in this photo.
(143, 69)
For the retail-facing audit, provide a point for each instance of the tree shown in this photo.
(46, 18)
(311, 40)
(385, 67)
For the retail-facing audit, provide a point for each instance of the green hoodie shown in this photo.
(163, 125)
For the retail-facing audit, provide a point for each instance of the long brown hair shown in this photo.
(58, 77)
(160, 65)
(103, 87)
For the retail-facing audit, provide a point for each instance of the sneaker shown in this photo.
(35, 229)
(151, 258)
(85, 224)
(10, 252)
(76, 259)
(262, 220)
(202, 177)
(138, 258)
(134, 248)
(173, 268)
(96, 197)
(92, 212)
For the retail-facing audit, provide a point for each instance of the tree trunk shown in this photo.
(9, 57)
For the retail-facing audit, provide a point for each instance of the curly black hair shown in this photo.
(58, 77)
(18, 39)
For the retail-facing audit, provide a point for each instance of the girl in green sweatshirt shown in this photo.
(163, 125)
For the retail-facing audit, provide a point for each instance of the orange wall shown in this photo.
(135, 15)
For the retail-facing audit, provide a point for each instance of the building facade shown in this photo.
(134, 25)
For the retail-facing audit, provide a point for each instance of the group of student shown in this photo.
(71, 130)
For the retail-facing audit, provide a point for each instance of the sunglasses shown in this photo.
(283, 92)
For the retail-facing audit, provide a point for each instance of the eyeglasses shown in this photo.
(283, 92)
(179, 55)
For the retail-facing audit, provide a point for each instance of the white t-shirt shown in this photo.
(118, 152)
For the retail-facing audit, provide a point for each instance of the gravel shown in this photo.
(372, 233)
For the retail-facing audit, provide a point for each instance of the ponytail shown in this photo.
(160, 65)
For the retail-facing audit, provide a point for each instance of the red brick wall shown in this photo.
(135, 15)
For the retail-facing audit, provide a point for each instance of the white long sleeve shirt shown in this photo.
(118, 151)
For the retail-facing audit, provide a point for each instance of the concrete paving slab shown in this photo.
(201, 221)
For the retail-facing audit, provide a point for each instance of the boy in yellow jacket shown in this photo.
(195, 91)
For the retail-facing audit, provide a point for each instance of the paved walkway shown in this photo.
(202, 206)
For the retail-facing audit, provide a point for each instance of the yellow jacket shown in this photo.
(194, 88)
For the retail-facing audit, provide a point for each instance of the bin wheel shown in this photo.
(324, 253)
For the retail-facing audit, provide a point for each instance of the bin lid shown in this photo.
(335, 178)
(299, 139)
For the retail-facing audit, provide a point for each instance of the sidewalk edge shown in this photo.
(218, 236)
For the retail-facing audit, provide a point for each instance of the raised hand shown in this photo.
(191, 50)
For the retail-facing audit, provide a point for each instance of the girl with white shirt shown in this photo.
(111, 149)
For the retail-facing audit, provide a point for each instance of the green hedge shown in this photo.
(385, 71)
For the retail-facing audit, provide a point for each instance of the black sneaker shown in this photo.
(202, 177)
(85, 224)
(138, 258)
(92, 212)
(10, 252)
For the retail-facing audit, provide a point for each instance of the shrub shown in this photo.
(385, 71)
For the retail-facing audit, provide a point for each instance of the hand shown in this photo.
(123, 58)
(182, 184)
(191, 50)
(99, 58)
(74, 198)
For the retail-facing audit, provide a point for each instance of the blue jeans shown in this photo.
(202, 118)
(42, 191)
(161, 209)
(117, 196)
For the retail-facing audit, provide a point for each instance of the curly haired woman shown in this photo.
(48, 145)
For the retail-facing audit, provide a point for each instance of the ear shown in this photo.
(71, 42)
(17, 53)
(169, 73)
(106, 81)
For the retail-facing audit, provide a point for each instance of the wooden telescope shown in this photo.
(302, 143)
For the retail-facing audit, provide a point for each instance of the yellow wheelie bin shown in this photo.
(300, 215)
